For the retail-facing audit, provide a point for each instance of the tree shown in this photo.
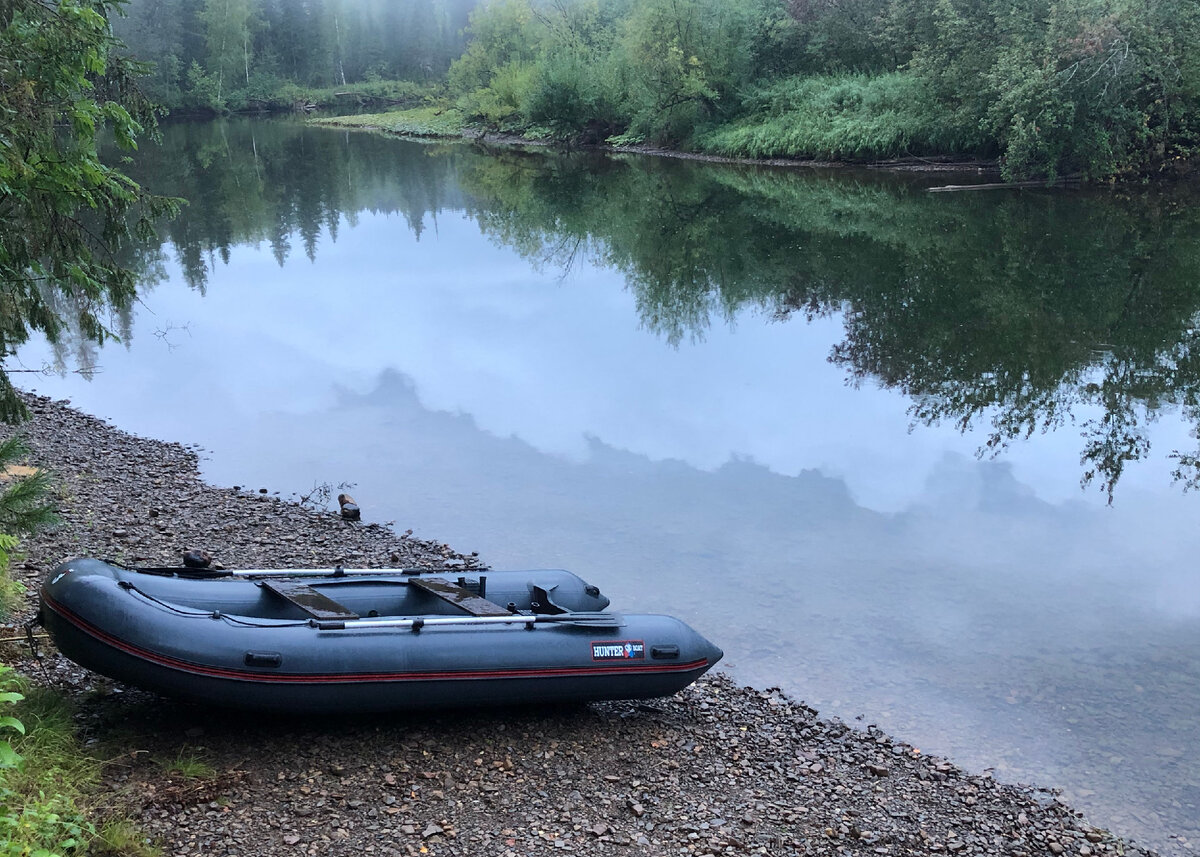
(227, 29)
(23, 507)
(64, 212)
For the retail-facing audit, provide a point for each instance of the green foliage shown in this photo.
(1057, 87)
(65, 212)
(1092, 88)
(11, 591)
(22, 510)
(203, 90)
(1085, 87)
(854, 117)
(47, 785)
(504, 102)
(269, 93)
(40, 791)
(41, 768)
(22, 500)
(417, 122)
(228, 26)
(654, 70)
(848, 35)
(668, 85)
(503, 33)
(9, 695)
(43, 827)
(566, 96)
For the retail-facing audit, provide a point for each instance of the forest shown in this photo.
(1051, 88)
(217, 55)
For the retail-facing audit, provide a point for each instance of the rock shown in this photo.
(197, 559)
(350, 510)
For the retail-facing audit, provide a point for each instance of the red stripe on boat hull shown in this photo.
(356, 678)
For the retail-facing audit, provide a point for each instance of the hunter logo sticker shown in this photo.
(619, 650)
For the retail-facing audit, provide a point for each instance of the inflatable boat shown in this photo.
(338, 640)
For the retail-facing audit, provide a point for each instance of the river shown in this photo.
(834, 421)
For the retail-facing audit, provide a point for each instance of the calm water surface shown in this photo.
(837, 423)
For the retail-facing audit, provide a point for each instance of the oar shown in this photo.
(582, 619)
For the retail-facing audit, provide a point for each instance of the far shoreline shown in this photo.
(951, 164)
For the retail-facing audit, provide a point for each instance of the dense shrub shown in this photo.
(1088, 87)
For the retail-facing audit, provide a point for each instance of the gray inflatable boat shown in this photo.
(340, 640)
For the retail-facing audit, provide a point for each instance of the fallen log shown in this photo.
(999, 185)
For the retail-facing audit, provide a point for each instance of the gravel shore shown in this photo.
(717, 769)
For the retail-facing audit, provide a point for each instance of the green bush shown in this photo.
(202, 91)
(1084, 87)
(505, 101)
(567, 95)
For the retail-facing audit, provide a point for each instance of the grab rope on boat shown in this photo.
(211, 614)
(31, 640)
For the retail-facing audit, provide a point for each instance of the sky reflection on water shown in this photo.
(987, 609)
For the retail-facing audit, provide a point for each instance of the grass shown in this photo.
(189, 765)
(41, 793)
(120, 836)
(845, 117)
(416, 122)
(50, 798)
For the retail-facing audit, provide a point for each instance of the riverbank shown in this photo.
(438, 123)
(717, 769)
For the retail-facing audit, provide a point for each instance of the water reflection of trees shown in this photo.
(1019, 311)
(1023, 312)
(281, 184)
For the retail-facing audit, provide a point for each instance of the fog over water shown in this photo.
(473, 387)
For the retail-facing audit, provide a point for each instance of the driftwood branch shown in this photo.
(1003, 185)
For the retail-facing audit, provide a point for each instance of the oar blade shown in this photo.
(584, 619)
